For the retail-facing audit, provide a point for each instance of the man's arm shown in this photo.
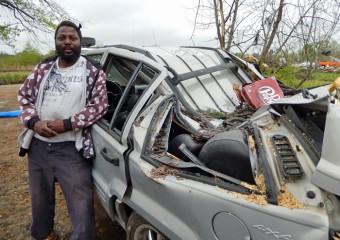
(27, 99)
(29, 117)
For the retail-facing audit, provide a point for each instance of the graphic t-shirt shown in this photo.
(62, 94)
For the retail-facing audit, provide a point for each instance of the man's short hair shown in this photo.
(69, 24)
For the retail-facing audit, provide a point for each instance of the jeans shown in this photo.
(51, 162)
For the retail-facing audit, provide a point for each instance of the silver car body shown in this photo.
(190, 200)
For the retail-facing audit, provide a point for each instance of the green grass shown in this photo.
(325, 76)
(292, 76)
(318, 79)
(13, 77)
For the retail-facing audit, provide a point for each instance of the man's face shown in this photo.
(67, 44)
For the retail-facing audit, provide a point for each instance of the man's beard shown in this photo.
(69, 58)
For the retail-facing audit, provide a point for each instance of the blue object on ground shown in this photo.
(10, 114)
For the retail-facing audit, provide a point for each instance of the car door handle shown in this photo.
(111, 159)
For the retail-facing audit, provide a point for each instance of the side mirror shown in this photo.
(88, 42)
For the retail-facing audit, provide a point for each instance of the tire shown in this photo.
(139, 229)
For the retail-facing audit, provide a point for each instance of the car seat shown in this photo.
(114, 92)
(193, 146)
(122, 116)
(228, 153)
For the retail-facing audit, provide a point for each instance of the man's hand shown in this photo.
(57, 126)
(41, 127)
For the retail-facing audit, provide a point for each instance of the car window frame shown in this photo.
(124, 98)
(108, 125)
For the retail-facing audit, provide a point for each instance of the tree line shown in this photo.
(22, 61)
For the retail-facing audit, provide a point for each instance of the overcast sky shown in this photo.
(136, 22)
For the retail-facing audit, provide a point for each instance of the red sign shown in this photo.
(262, 92)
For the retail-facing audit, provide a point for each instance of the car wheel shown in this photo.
(139, 229)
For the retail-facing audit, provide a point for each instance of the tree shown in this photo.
(241, 22)
(223, 15)
(35, 17)
(29, 55)
(271, 28)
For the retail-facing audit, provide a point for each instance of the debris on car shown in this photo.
(162, 172)
(288, 200)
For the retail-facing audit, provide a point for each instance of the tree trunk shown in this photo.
(222, 27)
(232, 26)
(267, 46)
(220, 31)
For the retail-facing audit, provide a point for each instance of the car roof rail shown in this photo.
(185, 76)
(133, 49)
(200, 47)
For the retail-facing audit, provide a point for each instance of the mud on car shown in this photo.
(185, 152)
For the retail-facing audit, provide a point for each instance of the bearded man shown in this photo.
(61, 99)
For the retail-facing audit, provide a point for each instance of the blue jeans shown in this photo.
(51, 162)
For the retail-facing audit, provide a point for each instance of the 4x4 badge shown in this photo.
(268, 231)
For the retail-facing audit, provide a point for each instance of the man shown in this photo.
(60, 100)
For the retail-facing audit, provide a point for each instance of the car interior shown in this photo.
(126, 81)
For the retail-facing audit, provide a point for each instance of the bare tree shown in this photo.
(262, 27)
(219, 22)
(270, 28)
(233, 25)
(295, 14)
(221, 14)
(241, 23)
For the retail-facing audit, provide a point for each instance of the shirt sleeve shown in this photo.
(27, 99)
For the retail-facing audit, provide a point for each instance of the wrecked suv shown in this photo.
(183, 154)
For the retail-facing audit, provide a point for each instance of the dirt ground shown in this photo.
(15, 213)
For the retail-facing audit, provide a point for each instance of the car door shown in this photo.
(127, 83)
